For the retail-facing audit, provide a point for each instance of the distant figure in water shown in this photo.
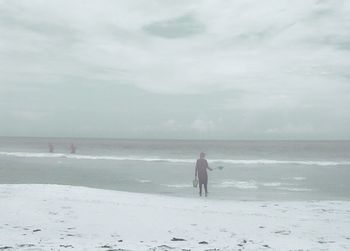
(201, 173)
(51, 148)
(72, 148)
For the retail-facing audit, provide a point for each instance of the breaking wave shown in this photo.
(174, 160)
(177, 185)
(296, 189)
(237, 184)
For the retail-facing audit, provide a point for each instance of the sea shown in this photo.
(242, 170)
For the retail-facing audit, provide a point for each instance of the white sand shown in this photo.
(52, 217)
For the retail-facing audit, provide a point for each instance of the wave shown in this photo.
(237, 184)
(173, 160)
(296, 189)
(143, 181)
(178, 185)
(299, 178)
(295, 178)
(253, 185)
(272, 184)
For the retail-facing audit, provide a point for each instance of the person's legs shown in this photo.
(200, 188)
(206, 188)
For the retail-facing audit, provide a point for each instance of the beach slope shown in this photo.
(55, 217)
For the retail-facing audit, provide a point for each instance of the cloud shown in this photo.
(241, 44)
(27, 115)
(202, 126)
(293, 129)
(180, 27)
(172, 125)
(260, 65)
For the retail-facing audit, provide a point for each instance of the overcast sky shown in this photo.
(230, 69)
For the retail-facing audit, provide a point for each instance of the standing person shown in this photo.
(201, 173)
(72, 148)
(51, 147)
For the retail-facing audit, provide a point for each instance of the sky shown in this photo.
(185, 69)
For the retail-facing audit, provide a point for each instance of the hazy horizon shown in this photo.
(226, 70)
(169, 139)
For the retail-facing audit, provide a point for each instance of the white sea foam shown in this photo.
(295, 178)
(237, 184)
(299, 178)
(173, 160)
(143, 181)
(296, 189)
(272, 184)
(177, 185)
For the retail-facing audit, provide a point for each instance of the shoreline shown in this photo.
(194, 196)
(61, 217)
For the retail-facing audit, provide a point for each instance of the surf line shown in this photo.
(173, 160)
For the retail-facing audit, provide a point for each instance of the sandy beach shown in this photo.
(56, 217)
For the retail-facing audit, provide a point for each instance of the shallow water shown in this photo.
(253, 170)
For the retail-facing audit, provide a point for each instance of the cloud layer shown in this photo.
(212, 69)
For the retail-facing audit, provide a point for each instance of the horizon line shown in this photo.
(165, 139)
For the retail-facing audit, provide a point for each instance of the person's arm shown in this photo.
(211, 169)
(196, 170)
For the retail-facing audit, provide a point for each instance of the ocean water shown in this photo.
(253, 170)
